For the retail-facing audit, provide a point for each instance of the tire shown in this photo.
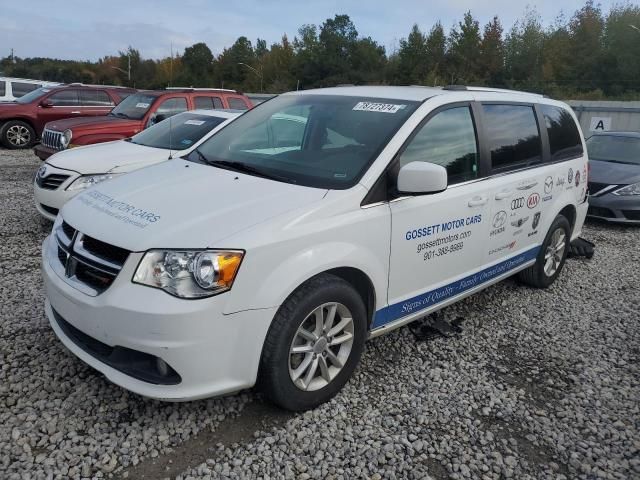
(537, 275)
(279, 365)
(16, 134)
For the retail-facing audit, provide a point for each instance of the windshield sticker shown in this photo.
(378, 107)
(194, 122)
(142, 105)
(117, 209)
(186, 141)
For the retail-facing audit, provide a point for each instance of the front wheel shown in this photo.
(551, 257)
(16, 134)
(314, 343)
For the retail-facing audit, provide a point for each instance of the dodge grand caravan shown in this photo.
(314, 221)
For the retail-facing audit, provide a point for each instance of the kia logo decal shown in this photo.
(533, 200)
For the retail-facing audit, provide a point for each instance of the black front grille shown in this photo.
(62, 256)
(631, 214)
(600, 212)
(68, 230)
(108, 252)
(139, 365)
(52, 181)
(97, 278)
(595, 187)
(48, 209)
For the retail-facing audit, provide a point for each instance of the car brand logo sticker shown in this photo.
(570, 176)
(499, 219)
(548, 185)
(533, 200)
(577, 178)
(517, 203)
(527, 185)
(536, 220)
(520, 222)
(508, 246)
(42, 171)
(559, 181)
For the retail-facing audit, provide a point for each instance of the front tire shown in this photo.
(314, 343)
(16, 134)
(551, 257)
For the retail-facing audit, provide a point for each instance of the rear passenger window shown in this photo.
(172, 106)
(19, 88)
(447, 139)
(237, 104)
(512, 134)
(3, 90)
(64, 98)
(564, 137)
(208, 103)
(95, 98)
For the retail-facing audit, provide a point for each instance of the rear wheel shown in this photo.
(314, 343)
(551, 257)
(16, 134)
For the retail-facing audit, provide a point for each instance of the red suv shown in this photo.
(22, 121)
(134, 114)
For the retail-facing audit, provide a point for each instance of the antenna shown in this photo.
(170, 139)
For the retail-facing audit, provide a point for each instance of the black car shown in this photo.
(614, 178)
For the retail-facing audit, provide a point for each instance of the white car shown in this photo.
(67, 173)
(309, 224)
(13, 88)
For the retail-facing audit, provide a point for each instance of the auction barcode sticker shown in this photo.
(142, 105)
(194, 122)
(378, 107)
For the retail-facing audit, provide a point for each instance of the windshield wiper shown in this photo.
(245, 168)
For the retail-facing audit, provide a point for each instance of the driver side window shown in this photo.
(447, 139)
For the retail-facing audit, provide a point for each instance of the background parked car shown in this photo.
(22, 121)
(13, 88)
(133, 115)
(69, 172)
(614, 180)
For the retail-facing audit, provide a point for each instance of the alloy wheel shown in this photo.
(18, 135)
(321, 346)
(555, 252)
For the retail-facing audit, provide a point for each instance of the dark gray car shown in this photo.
(614, 177)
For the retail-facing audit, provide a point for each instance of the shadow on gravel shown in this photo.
(255, 417)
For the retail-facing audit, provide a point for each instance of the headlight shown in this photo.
(633, 189)
(87, 181)
(65, 140)
(189, 273)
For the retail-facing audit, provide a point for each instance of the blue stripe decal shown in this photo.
(433, 297)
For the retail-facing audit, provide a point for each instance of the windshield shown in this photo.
(323, 141)
(33, 95)
(178, 132)
(614, 148)
(134, 106)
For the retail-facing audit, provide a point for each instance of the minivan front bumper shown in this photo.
(152, 343)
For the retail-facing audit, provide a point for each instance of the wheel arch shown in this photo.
(570, 213)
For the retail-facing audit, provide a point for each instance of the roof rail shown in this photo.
(202, 89)
(488, 89)
(80, 84)
(34, 80)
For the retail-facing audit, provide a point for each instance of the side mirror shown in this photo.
(158, 117)
(421, 178)
(46, 103)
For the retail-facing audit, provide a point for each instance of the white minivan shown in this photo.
(309, 224)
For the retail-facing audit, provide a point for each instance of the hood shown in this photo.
(93, 124)
(613, 173)
(119, 156)
(180, 204)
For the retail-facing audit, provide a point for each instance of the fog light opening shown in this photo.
(163, 368)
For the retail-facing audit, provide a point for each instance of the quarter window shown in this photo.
(512, 135)
(95, 98)
(20, 88)
(447, 139)
(65, 98)
(2, 88)
(564, 137)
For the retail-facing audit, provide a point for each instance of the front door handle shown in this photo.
(504, 194)
(477, 201)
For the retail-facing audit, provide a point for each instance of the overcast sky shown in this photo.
(90, 29)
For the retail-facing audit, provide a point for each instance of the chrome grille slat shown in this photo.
(51, 181)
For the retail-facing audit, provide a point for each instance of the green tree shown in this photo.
(491, 60)
(197, 62)
(464, 44)
(436, 46)
(523, 53)
(621, 70)
(413, 58)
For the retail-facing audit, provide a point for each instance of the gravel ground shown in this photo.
(539, 384)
